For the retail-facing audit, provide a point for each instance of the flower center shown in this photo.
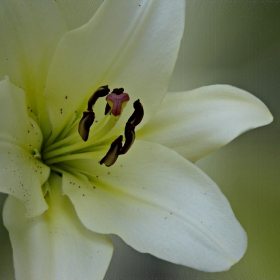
(97, 136)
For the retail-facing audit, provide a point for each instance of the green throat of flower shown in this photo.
(96, 136)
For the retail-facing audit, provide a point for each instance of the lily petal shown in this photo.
(21, 170)
(126, 44)
(198, 122)
(55, 245)
(159, 203)
(77, 13)
(30, 31)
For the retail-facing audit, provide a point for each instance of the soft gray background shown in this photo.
(225, 42)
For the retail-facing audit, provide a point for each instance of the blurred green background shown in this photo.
(225, 42)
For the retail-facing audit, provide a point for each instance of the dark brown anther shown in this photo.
(113, 153)
(129, 134)
(118, 91)
(138, 113)
(100, 92)
(107, 109)
(85, 124)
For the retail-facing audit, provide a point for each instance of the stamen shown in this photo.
(118, 91)
(107, 109)
(75, 147)
(138, 113)
(117, 100)
(100, 92)
(85, 124)
(129, 138)
(129, 133)
(88, 116)
(113, 153)
(69, 148)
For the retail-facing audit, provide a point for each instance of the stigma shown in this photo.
(116, 102)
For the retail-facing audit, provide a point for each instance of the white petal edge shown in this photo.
(22, 172)
(158, 203)
(55, 245)
(29, 34)
(77, 13)
(198, 122)
(129, 44)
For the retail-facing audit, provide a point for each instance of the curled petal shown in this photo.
(198, 122)
(159, 203)
(21, 169)
(55, 245)
(133, 44)
(30, 32)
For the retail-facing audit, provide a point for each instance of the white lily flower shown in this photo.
(63, 200)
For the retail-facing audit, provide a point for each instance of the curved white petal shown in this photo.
(159, 203)
(55, 245)
(130, 44)
(198, 122)
(22, 172)
(77, 13)
(29, 33)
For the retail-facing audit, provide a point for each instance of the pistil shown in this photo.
(71, 148)
(117, 101)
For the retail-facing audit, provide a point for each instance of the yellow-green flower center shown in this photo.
(95, 136)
